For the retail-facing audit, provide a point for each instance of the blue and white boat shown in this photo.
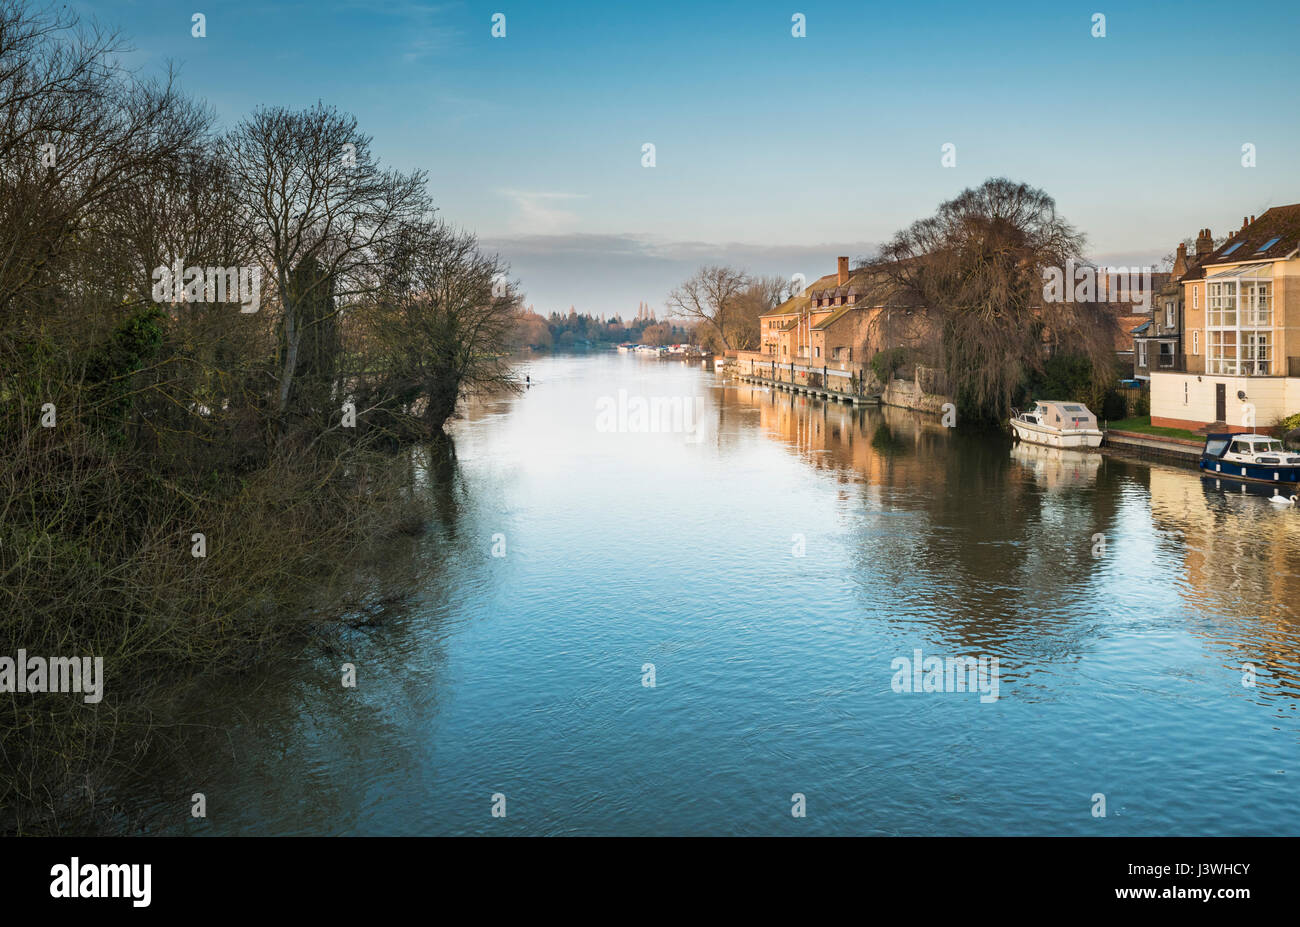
(1258, 458)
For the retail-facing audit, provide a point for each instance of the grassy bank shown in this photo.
(1142, 425)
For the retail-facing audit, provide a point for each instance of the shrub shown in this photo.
(1113, 407)
(886, 363)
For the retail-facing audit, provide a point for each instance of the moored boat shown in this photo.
(1258, 458)
(1057, 424)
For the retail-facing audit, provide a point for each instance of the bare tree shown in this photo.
(314, 195)
(714, 295)
(76, 130)
(1167, 262)
(436, 328)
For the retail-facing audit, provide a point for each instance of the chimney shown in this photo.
(1180, 261)
(1245, 221)
(843, 276)
(1204, 243)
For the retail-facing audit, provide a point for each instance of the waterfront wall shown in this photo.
(1149, 447)
(922, 392)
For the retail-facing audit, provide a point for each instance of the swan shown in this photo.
(1282, 500)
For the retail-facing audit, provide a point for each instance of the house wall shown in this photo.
(1186, 400)
(1286, 319)
(1286, 296)
(769, 332)
(852, 331)
(1194, 312)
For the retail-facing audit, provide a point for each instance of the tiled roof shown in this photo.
(868, 285)
(1127, 326)
(833, 317)
(828, 282)
(1280, 222)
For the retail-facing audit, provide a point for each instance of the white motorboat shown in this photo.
(1057, 424)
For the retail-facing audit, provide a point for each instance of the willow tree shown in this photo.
(974, 271)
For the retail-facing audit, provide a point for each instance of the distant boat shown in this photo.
(1258, 458)
(626, 347)
(1057, 424)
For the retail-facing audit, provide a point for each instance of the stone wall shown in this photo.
(909, 394)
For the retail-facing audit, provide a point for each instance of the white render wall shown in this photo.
(1190, 397)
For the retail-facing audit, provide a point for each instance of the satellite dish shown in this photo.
(1241, 394)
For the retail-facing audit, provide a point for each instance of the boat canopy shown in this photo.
(1065, 414)
(1216, 445)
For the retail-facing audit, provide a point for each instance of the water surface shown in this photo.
(770, 565)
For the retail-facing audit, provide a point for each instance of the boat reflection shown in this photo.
(1056, 468)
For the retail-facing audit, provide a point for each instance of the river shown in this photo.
(768, 559)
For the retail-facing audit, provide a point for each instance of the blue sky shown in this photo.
(773, 152)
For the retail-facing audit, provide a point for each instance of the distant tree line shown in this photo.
(557, 330)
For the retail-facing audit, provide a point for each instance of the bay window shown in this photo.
(1239, 319)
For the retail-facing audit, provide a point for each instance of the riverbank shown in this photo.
(281, 558)
(613, 617)
(1152, 447)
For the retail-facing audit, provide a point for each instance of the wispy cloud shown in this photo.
(541, 213)
(425, 26)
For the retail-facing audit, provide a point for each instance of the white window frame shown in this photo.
(1240, 301)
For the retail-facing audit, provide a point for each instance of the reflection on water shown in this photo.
(770, 566)
(1057, 467)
